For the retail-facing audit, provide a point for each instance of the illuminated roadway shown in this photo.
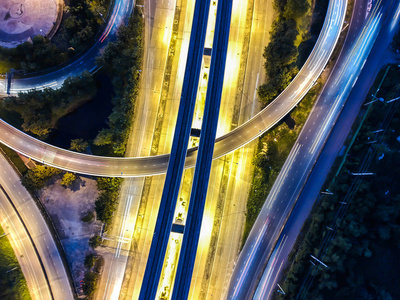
(289, 183)
(41, 261)
(144, 166)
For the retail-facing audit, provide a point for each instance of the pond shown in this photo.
(86, 121)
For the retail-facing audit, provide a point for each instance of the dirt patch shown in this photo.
(66, 207)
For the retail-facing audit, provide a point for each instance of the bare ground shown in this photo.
(66, 207)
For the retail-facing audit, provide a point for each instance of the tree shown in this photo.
(296, 8)
(68, 179)
(89, 261)
(37, 177)
(95, 241)
(90, 284)
(79, 145)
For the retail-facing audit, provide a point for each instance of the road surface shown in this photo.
(39, 232)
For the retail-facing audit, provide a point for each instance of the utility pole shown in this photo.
(280, 290)
(327, 192)
(319, 261)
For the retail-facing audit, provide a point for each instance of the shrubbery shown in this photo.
(106, 202)
(36, 178)
(123, 59)
(41, 110)
(281, 53)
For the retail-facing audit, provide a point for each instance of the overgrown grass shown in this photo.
(12, 283)
(14, 157)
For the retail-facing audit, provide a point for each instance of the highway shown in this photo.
(250, 130)
(328, 154)
(55, 77)
(178, 151)
(203, 163)
(224, 213)
(159, 18)
(24, 250)
(296, 169)
(49, 278)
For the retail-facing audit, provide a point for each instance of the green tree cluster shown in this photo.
(281, 53)
(123, 59)
(106, 202)
(95, 241)
(90, 283)
(36, 178)
(41, 110)
(38, 54)
(79, 145)
(68, 179)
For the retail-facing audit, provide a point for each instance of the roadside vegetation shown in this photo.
(40, 110)
(123, 60)
(12, 280)
(282, 64)
(282, 51)
(81, 21)
(14, 158)
(108, 195)
(356, 230)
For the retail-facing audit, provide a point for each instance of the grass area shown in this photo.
(362, 247)
(14, 157)
(5, 66)
(12, 283)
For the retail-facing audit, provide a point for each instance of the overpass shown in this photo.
(153, 165)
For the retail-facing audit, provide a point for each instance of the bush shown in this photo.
(37, 177)
(123, 59)
(41, 110)
(68, 179)
(88, 217)
(90, 283)
(89, 261)
(95, 241)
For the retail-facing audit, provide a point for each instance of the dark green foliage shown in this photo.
(89, 261)
(88, 217)
(95, 241)
(281, 53)
(99, 264)
(296, 8)
(79, 145)
(123, 59)
(107, 200)
(90, 283)
(41, 110)
(37, 177)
